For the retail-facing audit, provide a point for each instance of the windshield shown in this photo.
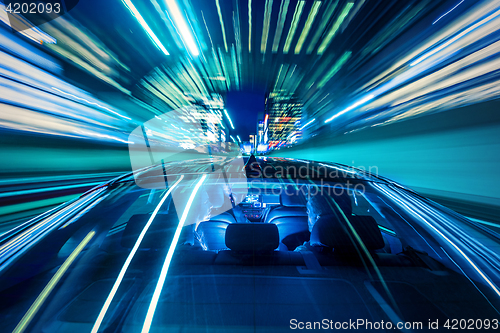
(201, 254)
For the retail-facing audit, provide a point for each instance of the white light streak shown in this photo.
(144, 25)
(457, 37)
(358, 103)
(221, 20)
(447, 12)
(131, 255)
(181, 24)
(309, 122)
(229, 118)
(168, 259)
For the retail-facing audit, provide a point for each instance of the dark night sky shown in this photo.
(243, 108)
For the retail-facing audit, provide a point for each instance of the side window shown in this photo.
(369, 205)
(360, 206)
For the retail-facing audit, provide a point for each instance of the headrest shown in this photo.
(285, 212)
(224, 217)
(252, 237)
(322, 202)
(290, 197)
(337, 234)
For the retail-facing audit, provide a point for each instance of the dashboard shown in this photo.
(255, 205)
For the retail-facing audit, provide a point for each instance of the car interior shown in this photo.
(351, 261)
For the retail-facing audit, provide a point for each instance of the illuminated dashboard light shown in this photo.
(131, 255)
(239, 140)
(168, 259)
(181, 24)
(144, 25)
(232, 138)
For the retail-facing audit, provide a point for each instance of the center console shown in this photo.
(252, 207)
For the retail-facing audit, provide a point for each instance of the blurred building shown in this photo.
(284, 119)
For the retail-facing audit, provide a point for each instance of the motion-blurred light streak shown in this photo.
(229, 118)
(32, 311)
(456, 38)
(355, 105)
(249, 26)
(457, 25)
(294, 25)
(307, 26)
(221, 21)
(222, 57)
(267, 22)
(429, 81)
(324, 21)
(333, 30)
(235, 68)
(237, 34)
(144, 25)
(46, 225)
(306, 124)
(180, 22)
(168, 259)
(448, 239)
(335, 68)
(131, 255)
(24, 27)
(458, 4)
(91, 103)
(281, 23)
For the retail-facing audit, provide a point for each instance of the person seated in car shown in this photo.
(321, 204)
(317, 205)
